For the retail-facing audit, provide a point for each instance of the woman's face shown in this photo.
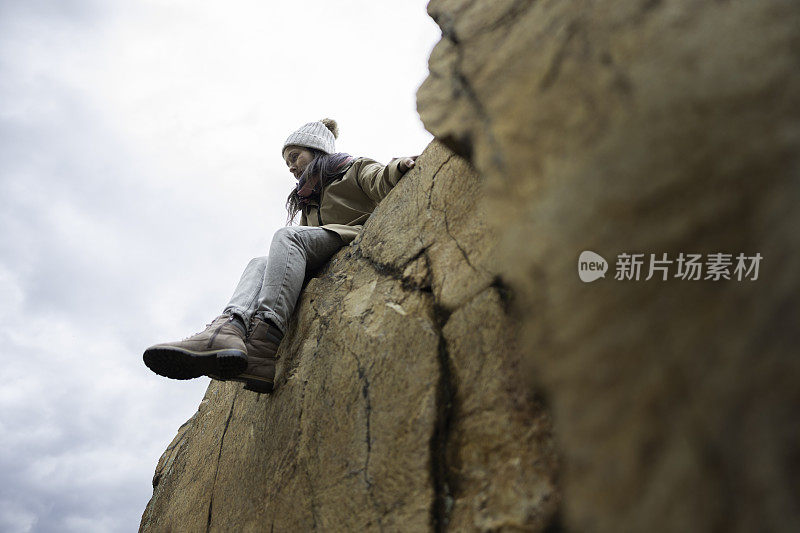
(297, 159)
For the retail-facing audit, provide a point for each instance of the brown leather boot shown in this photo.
(262, 345)
(219, 350)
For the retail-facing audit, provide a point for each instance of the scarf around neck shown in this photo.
(332, 166)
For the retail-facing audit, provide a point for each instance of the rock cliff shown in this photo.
(642, 126)
(450, 371)
(399, 403)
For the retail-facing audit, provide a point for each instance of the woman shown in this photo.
(335, 195)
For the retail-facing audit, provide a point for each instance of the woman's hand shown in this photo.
(406, 163)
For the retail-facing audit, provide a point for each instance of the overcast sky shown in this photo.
(140, 170)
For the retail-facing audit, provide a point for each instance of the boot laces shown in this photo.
(230, 318)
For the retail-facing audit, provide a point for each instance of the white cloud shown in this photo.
(16, 518)
(139, 172)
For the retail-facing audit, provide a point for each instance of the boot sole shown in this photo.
(176, 363)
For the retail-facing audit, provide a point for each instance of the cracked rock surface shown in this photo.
(398, 403)
(651, 127)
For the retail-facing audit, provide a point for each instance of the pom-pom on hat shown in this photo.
(320, 135)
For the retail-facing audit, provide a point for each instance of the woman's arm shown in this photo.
(377, 180)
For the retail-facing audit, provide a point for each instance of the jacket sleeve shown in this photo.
(375, 179)
(303, 220)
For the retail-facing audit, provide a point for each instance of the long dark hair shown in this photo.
(329, 168)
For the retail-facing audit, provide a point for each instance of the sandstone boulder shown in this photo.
(398, 403)
(641, 126)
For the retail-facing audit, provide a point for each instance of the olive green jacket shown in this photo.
(345, 204)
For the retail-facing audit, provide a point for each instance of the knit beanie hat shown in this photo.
(320, 135)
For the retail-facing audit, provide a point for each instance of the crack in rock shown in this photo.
(455, 241)
(554, 69)
(462, 85)
(433, 178)
(309, 479)
(392, 271)
(362, 375)
(441, 474)
(219, 458)
(511, 15)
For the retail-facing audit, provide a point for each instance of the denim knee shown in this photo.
(258, 263)
(286, 235)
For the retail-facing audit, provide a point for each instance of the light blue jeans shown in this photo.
(270, 286)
